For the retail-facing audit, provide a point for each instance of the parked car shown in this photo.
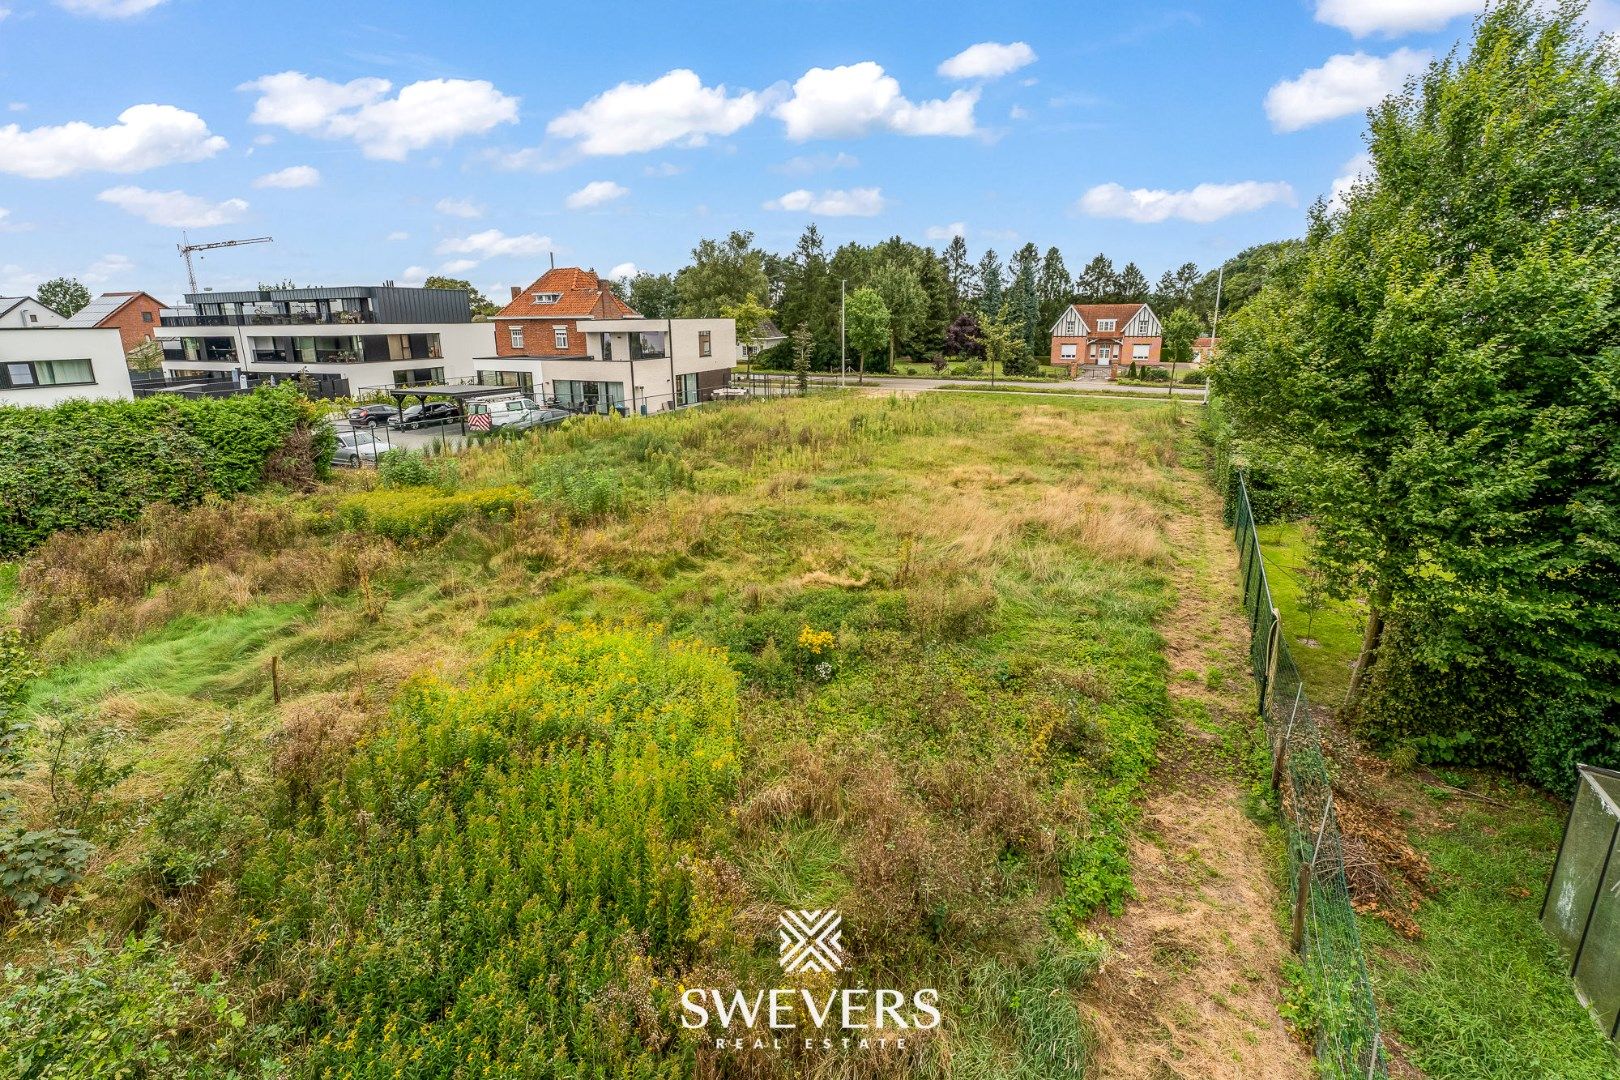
(512, 411)
(355, 447)
(729, 391)
(428, 415)
(370, 415)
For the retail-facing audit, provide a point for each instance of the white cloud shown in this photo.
(946, 232)
(848, 101)
(623, 270)
(174, 209)
(856, 202)
(663, 169)
(461, 208)
(1018, 112)
(17, 106)
(1363, 17)
(5, 13)
(1355, 169)
(389, 128)
(6, 226)
(399, 234)
(457, 266)
(293, 176)
(988, 60)
(108, 9)
(144, 137)
(810, 163)
(675, 108)
(107, 268)
(595, 193)
(414, 275)
(1202, 204)
(492, 243)
(1346, 84)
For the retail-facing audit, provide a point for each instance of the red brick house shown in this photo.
(133, 314)
(1204, 349)
(543, 320)
(1106, 336)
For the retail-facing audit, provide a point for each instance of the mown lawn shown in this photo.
(1483, 993)
(926, 690)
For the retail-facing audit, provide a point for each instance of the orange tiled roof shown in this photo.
(582, 296)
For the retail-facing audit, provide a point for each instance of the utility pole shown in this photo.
(1214, 327)
(843, 352)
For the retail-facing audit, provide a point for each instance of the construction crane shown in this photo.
(187, 248)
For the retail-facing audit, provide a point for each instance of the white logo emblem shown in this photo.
(811, 941)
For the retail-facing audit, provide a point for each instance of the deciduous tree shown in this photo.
(867, 321)
(63, 295)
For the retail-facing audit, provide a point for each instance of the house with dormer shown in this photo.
(1106, 337)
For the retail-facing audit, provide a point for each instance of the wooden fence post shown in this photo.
(275, 679)
(1302, 897)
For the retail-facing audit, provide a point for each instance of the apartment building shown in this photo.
(346, 339)
(569, 338)
(42, 365)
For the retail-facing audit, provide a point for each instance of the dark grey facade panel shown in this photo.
(422, 305)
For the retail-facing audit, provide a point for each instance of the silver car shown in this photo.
(355, 447)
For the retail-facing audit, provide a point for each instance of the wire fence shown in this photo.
(1349, 1043)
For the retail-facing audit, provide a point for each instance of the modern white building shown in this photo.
(26, 313)
(48, 365)
(568, 338)
(348, 339)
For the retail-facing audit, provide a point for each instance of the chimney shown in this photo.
(515, 292)
(553, 255)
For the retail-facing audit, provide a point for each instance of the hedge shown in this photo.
(92, 464)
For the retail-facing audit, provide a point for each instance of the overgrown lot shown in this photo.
(564, 723)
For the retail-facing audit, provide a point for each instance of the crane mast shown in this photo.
(187, 248)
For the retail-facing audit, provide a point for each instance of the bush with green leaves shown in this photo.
(133, 1011)
(503, 881)
(91, 464)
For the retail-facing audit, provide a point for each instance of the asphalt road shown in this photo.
(910, 384)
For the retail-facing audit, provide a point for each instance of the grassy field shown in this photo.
(1482, 992)
(565, 721)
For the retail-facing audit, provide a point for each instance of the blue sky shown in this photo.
(391, 140)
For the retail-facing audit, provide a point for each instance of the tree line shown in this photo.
(1432, 380)
(907, 301)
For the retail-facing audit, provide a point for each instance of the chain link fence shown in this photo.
(1340, 1003)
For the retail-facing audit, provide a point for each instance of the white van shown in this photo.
(508, 410)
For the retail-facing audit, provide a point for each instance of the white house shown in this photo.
(25, 313)
(44, 366)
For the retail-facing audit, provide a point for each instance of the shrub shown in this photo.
(507, 867)
(91, 464)
(125, 1012)
(422, 514)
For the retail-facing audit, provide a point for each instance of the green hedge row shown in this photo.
(91, 464)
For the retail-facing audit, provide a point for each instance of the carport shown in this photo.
(460, 393)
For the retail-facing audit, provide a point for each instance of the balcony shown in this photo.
(274, 318)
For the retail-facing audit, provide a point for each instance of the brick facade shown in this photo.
(539, 337)
(136, 321)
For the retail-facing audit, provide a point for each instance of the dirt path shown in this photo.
(1191, 988)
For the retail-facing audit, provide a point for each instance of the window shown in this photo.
(547, 297)
(704, 346)
(686, 390)
(146, 316)
(648, 345)
(1069, 352)
(559, 336)
(1139, 352)
(32, 317)
(589, 396)
(22, 374)
(1107, 324)
(516, 334)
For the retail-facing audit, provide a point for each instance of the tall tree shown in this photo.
(992, 284)
(1097, 283)
(1054, 288)
(1180, 329)
(960, 273)
(482, 307)
(904, 298)
(804, 347)
(653, 295)
(1133, 285)
(867, 320)
(1436, 374)
(721, 273)
(1024, 302)
(810, 294)
(1003, 346)
(63, 295)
